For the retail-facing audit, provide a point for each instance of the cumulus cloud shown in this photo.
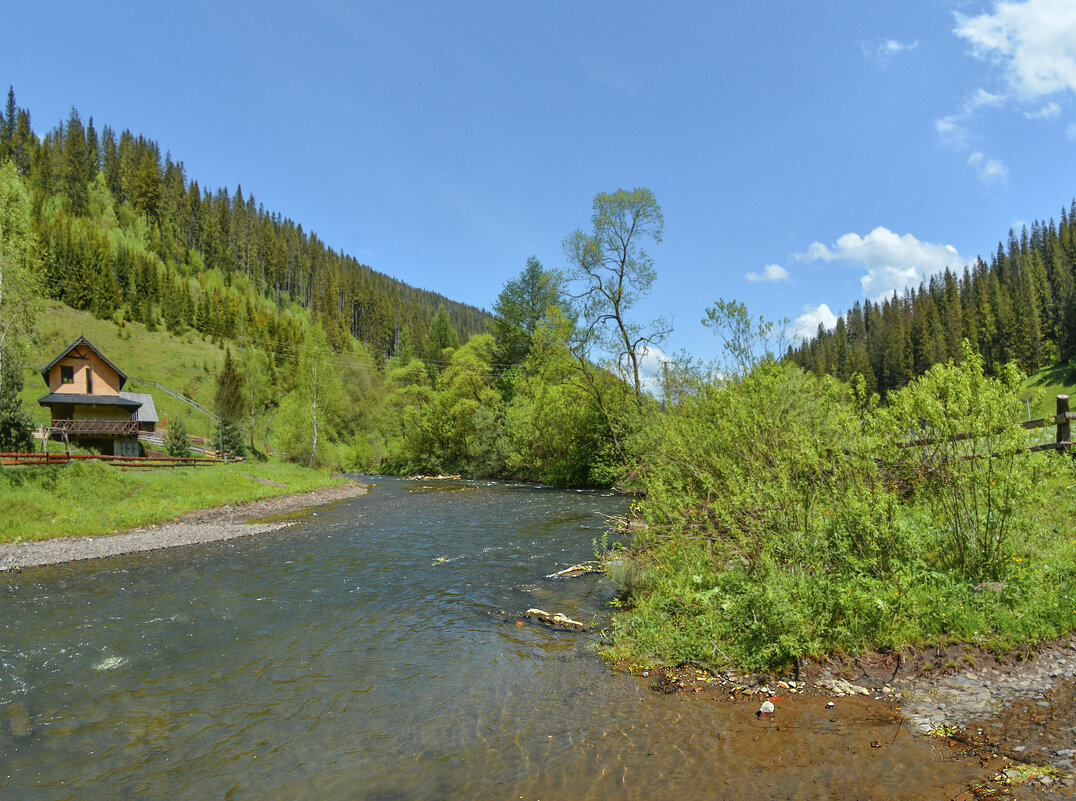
(1033, 45)
(806, 325)
(771, 272)
(651, 369)
(893, 262)
(1034, 41)
(990, 171)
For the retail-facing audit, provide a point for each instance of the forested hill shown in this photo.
(1020, 307)
(125, 230)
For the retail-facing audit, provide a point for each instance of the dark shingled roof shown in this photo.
(71, 347)
(87, 400)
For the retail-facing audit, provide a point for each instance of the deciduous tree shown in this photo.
(612, 272)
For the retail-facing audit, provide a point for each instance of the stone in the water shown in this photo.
(19, 720)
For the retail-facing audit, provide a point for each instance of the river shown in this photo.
(376, 650)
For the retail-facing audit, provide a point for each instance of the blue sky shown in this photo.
(805, 155)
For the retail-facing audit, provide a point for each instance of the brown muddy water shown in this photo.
(374, 651)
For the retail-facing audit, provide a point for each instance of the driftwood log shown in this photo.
(562, 621)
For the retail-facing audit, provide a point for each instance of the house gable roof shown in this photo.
(82, 341)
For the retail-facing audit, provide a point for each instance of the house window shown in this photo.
(89, 381)
(67, 374)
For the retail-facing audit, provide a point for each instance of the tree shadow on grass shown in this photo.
(1063, 374)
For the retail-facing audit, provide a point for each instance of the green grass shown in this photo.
(1044, 386)
(187, 364)
(88, 498)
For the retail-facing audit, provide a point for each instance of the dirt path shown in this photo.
(205, 525)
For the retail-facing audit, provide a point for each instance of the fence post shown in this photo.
(1063, 427)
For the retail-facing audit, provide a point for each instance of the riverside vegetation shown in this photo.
(784, 518)
(788, 520)
(88, 498)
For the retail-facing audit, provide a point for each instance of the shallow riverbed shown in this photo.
(375, 651)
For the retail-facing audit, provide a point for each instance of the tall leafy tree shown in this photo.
(257, 387)
(611, 272)
(519, 309)
(313, 406)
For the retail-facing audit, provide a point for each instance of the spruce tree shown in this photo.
(439, 336)
(15, 419)
(229, 402)
(7, 126)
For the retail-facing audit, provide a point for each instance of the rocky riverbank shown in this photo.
(205, 525)
(1015, 717)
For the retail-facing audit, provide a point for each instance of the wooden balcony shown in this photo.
(97, 428)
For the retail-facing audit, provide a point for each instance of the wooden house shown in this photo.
(87, 404)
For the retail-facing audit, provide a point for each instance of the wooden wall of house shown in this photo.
(82, 412)
(105, 380)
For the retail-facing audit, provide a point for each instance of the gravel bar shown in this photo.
(205, 525)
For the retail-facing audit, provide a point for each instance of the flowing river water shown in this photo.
(373, 651)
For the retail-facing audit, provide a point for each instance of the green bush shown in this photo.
(978, 486)
(789, 518)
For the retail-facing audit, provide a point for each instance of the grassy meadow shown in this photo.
(187, 364)
(88, 498)
(1043, 387)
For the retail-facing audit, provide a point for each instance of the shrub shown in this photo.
(176, 442)
(969, 468)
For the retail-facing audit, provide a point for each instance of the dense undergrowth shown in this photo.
(789, 519)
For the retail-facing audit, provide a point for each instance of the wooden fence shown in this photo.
(40, 458)
(1062, 441)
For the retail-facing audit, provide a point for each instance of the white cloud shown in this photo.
(981, 98)
(771, 272)
(881, 51)
(990, 171)
(1047, 112)
(1034, 41)
(806, 325)
(893, 262)
(952, 131)
(651, 369)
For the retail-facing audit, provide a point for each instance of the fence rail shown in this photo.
(31, 458)
(1063, 440)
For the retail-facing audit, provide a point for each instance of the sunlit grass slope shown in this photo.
(187, 364)
(88, 498)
